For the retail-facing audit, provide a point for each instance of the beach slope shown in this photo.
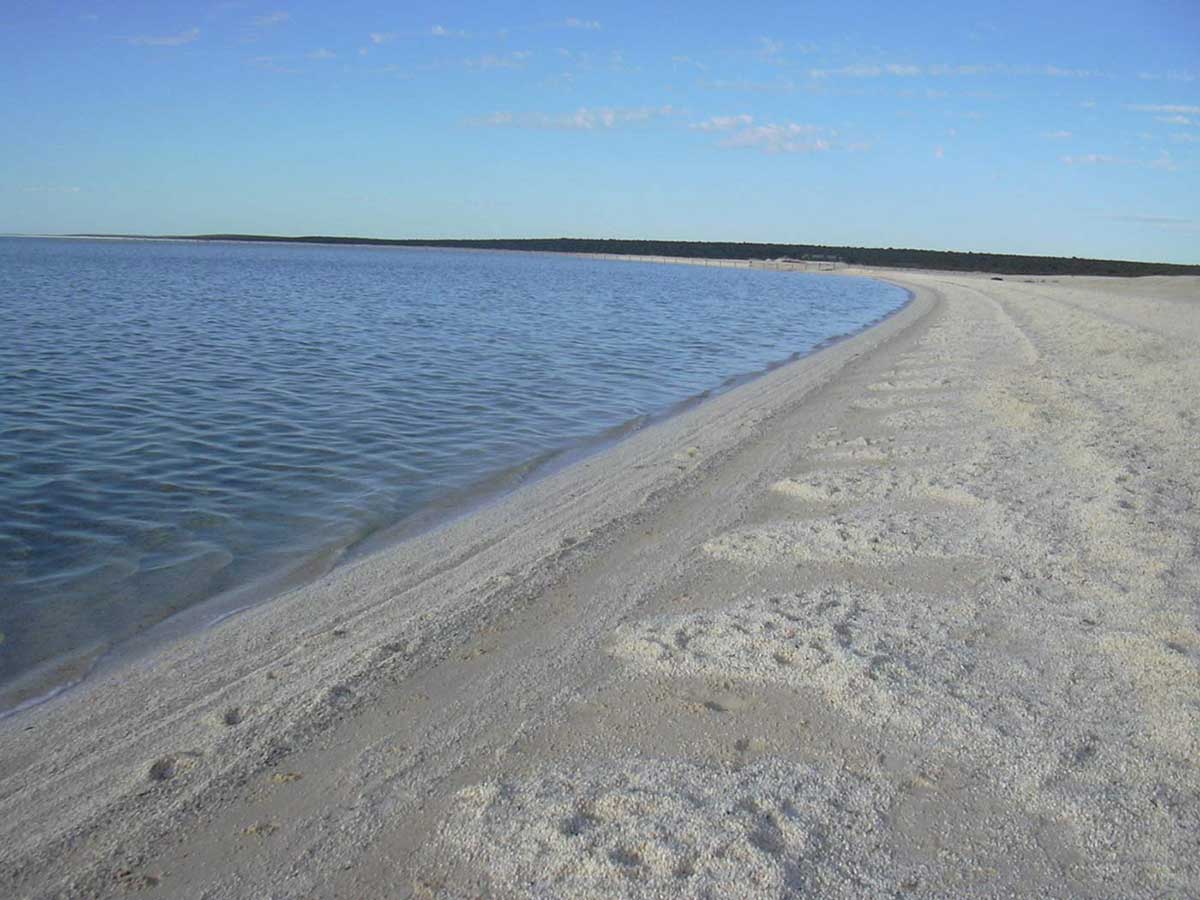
(916, 615)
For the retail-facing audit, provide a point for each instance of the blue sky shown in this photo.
(1061, 128)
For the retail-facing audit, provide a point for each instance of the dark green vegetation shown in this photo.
(945, 260)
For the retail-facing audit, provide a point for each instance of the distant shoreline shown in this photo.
(889, 257)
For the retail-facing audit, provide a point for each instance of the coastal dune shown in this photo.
(915, 615)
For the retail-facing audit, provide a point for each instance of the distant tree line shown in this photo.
(891, 257)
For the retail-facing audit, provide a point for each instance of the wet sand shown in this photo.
(914, 616)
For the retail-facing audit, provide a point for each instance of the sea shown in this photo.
(180, 420)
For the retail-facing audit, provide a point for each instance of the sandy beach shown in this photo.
(916, 615)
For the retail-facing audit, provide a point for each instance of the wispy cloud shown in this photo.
(739, 131)
(1164, 162)
(939, 152)
(1057, 135)
(1165, 108)
(1175, 120)
(322, 53)
(909, 70)
(867, 71)
(723, 123)
(271, 19)
(770, 50)
(586, 24)
(444, 32)
(383, 37)
(688, 62)
(602, 118)
(164, 40)
(790, 137)
(1148, 220)
(51, 189)
(1092, 159)
(782, 85)
(514, 60)
(272, 64)
(1168, 76)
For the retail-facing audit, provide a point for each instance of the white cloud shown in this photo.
(1090, 159)
(908, 70)
(783, 85)
(723, 123)
(939, 153)
(1056, 72)
(583, 119)
(275, 18)
(1057, 135)
(1174, 120)
(514, 60)
(322, 53)
(1183, 137)
(772, 138)
(902, 70)
(1163, 162)
(1167, 76)
(383, 37)
(769, 49)
(166, 40)
(586, 24)
(443, 31)
(272, 64)
(1149, 220)
(1166, 108)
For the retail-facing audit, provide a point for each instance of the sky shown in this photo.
(1062, 128)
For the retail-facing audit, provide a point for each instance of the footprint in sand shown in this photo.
(170, 766)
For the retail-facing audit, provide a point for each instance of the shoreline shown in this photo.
(911, 610)
(52, 677)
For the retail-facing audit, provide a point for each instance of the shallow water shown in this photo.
(177, 419)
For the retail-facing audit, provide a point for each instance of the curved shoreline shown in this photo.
(82, 758)
(55, 676)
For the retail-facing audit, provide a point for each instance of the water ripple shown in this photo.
(176, 419)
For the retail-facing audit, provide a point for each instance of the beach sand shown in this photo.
(914, 616)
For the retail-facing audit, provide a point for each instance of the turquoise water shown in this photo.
(177, 419)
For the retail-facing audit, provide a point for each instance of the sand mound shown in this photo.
(870, 656)
(841, 486)
(911, 384)
(645, 828)
(870, 535)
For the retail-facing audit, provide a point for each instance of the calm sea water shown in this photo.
(177, 419)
